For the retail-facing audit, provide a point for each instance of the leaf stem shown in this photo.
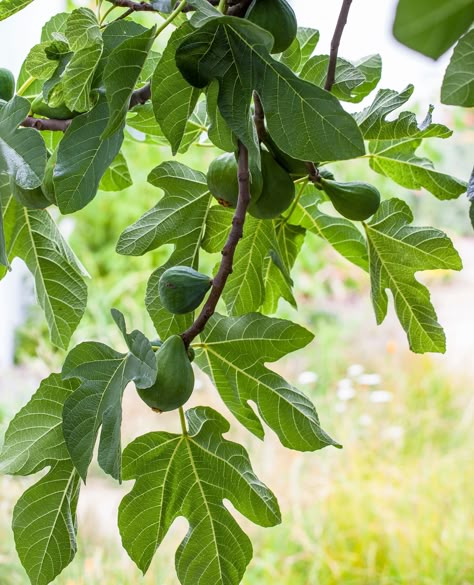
(336, 39)
(107, 12)
(171, 17)
(222, 6)
(182, 420)
(228, 252)
(26, 85)
(296, 200)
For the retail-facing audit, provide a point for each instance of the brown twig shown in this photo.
(139, 97)
(259, 117)
(336, 39)
(238, 7)
(228, 252)
(313, 173)
(133, 6)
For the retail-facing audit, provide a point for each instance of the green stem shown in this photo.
(182, 419)
(171, 17)
(107, 12)
(26, 85)
(222, 6)
(297, 198)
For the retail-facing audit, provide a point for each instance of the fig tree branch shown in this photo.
(228, 252)
(139, 97)
(336, 39)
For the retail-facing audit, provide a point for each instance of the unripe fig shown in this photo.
(278, 18)
(296, 168)
(7, 84)
(223, 181)
(355, 200)
(182, 289)
(175, 379)
(41, 108)
(278, 190)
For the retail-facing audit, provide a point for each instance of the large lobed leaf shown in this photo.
(177, 219)
(393, 145)
(233, 353)
(396, 252)
(32, 235)
(104, 374)
(191, 475)
(236, 53)
(44, 518)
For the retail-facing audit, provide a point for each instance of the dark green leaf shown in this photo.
(396, 252)
(104, 374)
(173, 98)
(121, 74)
(233, 353)
(458, 83)
(191, 476)
(22, 151)
(235, 52)
(219, 132)
(83, 158)
(432, 26)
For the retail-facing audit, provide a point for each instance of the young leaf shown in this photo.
(22, 151)
(371, 68)
(173, 98)
(233, 353)
(277, 281)
(83, 158)
(10, 7)
(396, 252)
(340, 233)
(44, 518)
(191, 475)
(458, 83)
(85, 39)
(236, 53)
(60, 287)
(177, 219)
(104, 374)
(117, 176)
(432, 26)
(121, 74)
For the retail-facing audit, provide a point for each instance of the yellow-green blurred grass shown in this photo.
(395, 506)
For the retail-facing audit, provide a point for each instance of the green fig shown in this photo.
(7, 84)
(223, 182)
(278, 18)
(182, 289)
(278, 190)
(41, 108)
(296, 168)
(355, 200)
(175, 378)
